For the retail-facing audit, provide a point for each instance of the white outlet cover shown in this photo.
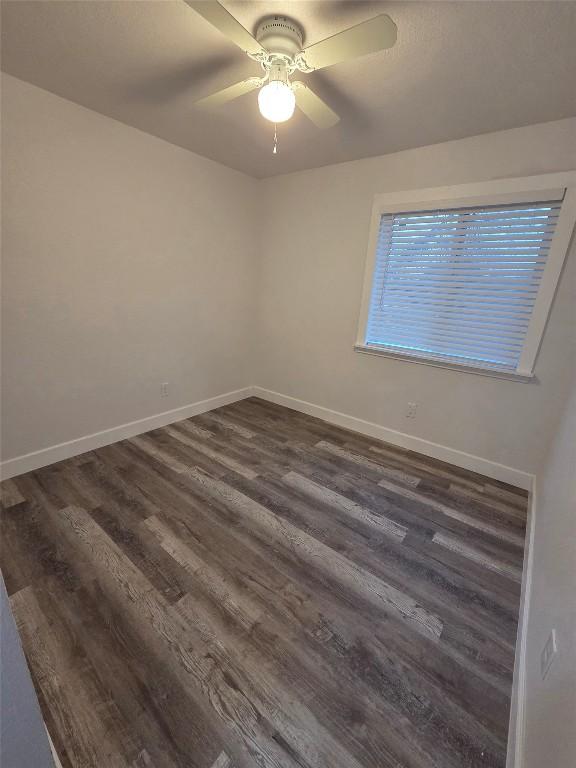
(548, 653)
(411, 410)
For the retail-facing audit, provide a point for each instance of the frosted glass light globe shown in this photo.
(276, 101)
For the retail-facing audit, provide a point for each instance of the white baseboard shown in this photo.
(54, 453)
(55, 758)
(516, 729)
(486, 467)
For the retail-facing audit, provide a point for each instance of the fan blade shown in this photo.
(219, 17)
(313, 107)
(373, 35)
(230, 93)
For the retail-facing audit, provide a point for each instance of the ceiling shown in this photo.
(458, 69)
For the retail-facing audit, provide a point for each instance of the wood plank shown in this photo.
(222, 761)
(397, 475)
(171, 728)
(189, 426)
(9, 494)
(497, 531)
(217, 456)
(179, 493)
(86, 721)
(187, 648)
(477, 624)
(477, 556)
(254, 586)
(314, 552)
(226, 423)
(265, 637)
(320, 493)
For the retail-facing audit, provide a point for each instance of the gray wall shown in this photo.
(550, 704)
(23, 739)
(127, 262)
(314, 241)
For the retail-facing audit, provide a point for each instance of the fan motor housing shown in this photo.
(278, 34)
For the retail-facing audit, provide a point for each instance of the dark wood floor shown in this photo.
(255, 587)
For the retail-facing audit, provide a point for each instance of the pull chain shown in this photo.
(275, 148)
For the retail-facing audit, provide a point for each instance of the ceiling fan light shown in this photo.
(276, 101)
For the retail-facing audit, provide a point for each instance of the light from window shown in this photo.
(459, 285)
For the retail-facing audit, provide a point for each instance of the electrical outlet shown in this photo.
(164, 389)
(411, 410)
(548, 654)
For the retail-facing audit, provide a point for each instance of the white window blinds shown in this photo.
(459, 285)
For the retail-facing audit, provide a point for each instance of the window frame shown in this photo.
(539, 188)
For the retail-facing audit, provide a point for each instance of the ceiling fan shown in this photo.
(277, 47)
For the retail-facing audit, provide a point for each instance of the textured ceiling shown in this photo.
(458, 69)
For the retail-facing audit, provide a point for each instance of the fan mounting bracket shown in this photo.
(280, 36)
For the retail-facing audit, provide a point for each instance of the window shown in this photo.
(466, 281)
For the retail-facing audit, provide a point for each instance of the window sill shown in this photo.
(367, 349)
